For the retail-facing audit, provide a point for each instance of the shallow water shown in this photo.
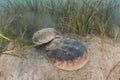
(36, 67)
(4, 2)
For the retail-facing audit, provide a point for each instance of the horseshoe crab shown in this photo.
(44, 36)
(67, 54)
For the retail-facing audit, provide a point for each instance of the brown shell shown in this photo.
(43, 36)
(71, 65)
(67, 54)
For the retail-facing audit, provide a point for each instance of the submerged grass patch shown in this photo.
(20, 19)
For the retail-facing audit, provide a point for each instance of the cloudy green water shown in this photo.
(4, 2)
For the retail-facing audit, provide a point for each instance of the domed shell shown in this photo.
(44, 35)
(67, 54)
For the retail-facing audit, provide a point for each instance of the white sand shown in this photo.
(104, 54)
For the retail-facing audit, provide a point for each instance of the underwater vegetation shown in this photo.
(20, 19)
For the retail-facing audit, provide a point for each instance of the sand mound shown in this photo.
(104, 55)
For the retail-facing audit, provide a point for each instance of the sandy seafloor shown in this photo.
(104, 55)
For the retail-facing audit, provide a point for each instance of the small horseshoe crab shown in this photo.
(63, 53)
(44, 36)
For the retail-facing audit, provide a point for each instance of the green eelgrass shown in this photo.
(17, 42)
(20, 18)
(89, 17)
(115, 32)
(6, 38)
(12, 52)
